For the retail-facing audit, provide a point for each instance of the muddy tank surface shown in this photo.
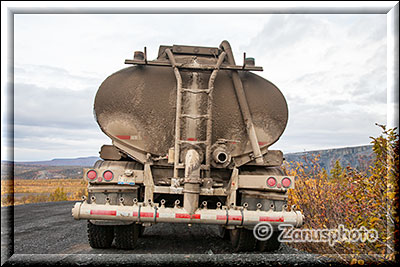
(136, 107)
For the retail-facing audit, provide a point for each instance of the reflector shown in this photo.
(108, 175)
(91, 174)
(271, 181)
(286, 182)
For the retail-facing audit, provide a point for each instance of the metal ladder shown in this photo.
(208, 116)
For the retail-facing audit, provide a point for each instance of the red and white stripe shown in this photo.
(103, 212)
(237, 218)
(271, 219)
(128, 137)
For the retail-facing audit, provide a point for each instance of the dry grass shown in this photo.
(31, 191)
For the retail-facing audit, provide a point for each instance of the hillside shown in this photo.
(83, 161)
(35, 172)
(357, 157)
(51, 169)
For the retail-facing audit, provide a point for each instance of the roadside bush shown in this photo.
(78, 194)
(34, 191)
(58, 195)
(7, 200)
(351, 198)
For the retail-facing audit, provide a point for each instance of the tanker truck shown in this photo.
(190, 133)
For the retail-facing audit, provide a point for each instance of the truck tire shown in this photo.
(126, 236)
(223, 232)
(272, 244)
(242, 239)
(100, 236)
(141, 231)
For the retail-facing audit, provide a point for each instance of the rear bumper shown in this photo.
(155, 214)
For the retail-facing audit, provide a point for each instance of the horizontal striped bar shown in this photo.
(221, 217)
(148, 214)
(182, 216)
(271, 219)
(196, 216)
(103, 212)
(235, 217)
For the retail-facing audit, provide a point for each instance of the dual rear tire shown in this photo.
(270, 245)
(126, 236)
(102, 236)
(243, 240)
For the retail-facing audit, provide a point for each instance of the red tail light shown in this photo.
(91, 175)
(108, 175)
(271, 181)
(286, 182)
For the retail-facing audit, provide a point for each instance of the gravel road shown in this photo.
(47, 233)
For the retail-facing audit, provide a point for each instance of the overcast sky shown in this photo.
(332, 69)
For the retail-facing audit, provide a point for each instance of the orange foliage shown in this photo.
(354, 199)
(33, 191)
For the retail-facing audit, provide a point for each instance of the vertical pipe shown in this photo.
(191, 187)
(178, 110)
(244, 107)
(209, 110)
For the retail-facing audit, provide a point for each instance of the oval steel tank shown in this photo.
(136, 106)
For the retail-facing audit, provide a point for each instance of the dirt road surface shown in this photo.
(46, 233)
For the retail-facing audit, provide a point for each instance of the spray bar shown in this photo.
(155, 214)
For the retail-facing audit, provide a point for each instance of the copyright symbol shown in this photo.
(263, 231)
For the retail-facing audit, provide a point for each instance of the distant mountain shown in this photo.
(83, 161)
(357, 157)
(51, 169)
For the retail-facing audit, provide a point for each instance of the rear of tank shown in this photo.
(136, 108)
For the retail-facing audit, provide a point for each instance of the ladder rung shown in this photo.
(195, 117)
(197, 91)
(191, 142)
(180, 166)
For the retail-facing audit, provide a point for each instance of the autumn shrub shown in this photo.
(58, 195)
(43, 190)
(78, 194)
(7, 200)
(352, 198)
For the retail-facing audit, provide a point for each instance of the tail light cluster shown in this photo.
(286, 182)
(107, 176)
(271, 182)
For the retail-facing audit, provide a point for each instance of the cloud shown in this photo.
(52, 121)
(56, 107)
(367, 29)
(101, 42)
(50, 77)
(331, 69)
(326, 126)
